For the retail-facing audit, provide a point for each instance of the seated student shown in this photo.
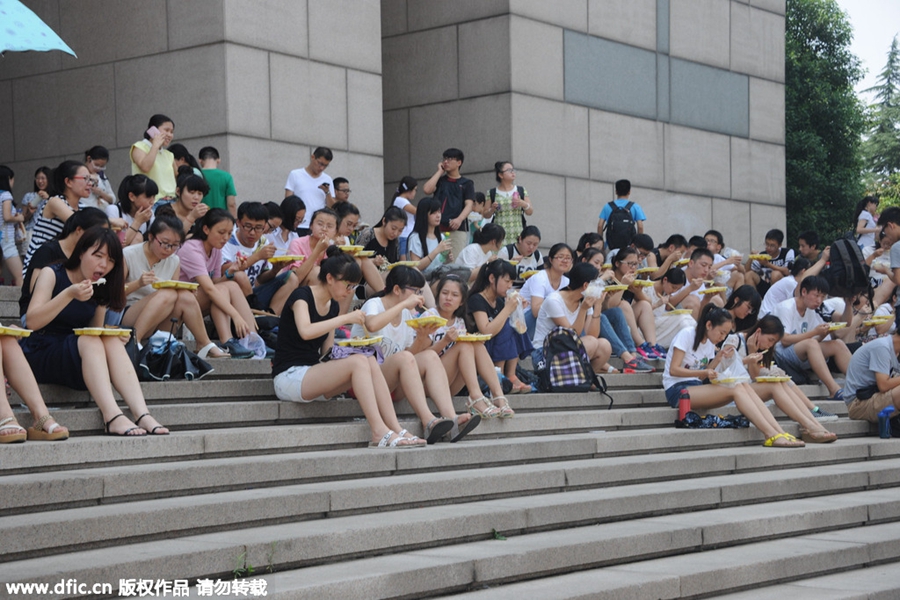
(872, 383)
(323, 229)
(880, 267)
(59, 249)
(410, 368)
(292, 211)
(785, 287)
(219, 295)
(188, 204)
(524, 251)
(465, 362)
(477, 218)
(403, 197)
(149, 309)
(273, 221)
(306, 335)
(488, 308)
(659, 295)
(731, 267)
(635, 306)
(488, 241)
(550, 279)
(384, 238)
(697, 274)
(808, 246)
(425, 243)
(347, 221)
(693, 358)
(643, 244)
(887, 311)
(744, 305)
(68, 296)
(667, 254)
(591, 239)
(763, 273)
(570, 308)
(756, 348)
(247, 254)
(137, 193)
(806, 344)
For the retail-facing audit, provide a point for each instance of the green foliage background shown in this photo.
(824, 120)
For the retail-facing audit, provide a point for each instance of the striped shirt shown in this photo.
(45, 229)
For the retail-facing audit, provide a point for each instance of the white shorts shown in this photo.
(289, 383)
(9, 247)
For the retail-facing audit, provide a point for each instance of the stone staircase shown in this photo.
(566, 500)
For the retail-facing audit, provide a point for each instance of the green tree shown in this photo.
(881, 148)
(824, 120)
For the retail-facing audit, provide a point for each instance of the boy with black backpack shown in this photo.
(621, 219)
(456, 195)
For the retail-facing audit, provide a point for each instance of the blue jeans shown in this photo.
(614, 328)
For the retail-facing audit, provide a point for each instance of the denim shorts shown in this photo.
(787, 356)
(674, 392)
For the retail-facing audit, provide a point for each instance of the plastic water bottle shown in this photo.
(884, 423)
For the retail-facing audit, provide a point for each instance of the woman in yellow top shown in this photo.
(150, 157)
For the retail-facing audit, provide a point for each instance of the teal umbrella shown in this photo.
(21, 30)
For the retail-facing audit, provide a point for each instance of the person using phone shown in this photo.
(150, 156)
(312, 185)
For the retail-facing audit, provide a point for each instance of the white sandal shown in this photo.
(12, 438)
(205, 350)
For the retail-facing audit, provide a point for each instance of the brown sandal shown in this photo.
(12, 438)
(55, 432)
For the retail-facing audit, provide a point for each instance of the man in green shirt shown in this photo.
(221, 185)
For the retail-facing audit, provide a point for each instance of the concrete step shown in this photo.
(585, 467)
(600, 426)
(104, 524)
(414, 534)
(873, 583)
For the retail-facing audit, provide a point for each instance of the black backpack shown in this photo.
(847, 272)
(493, 194)
(620, 227)
(566, 367)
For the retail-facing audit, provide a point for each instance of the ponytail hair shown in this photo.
(714, 316)
(406, 184)
(489, 233)
(403, 277)
(497, 269)
(581, 274)
(212, 217)
(768, 325)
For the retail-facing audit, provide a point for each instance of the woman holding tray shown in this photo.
(150, 309)
(76, 294)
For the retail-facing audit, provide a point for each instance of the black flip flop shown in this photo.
(124, 433)
(457, 434)
(439, 429)
(152, 431)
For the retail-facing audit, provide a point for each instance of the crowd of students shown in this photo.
(349, 298)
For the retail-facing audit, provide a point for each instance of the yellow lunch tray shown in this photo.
(352, 249)
(726, 380)
(615, 288)
(95, 331)
(760, 257)
(178, 285)
(403, 263)
(287, 258)
(641, 283)
(527, 274)
(513, 262)
(14, 331)
(370, 341)
(773, 379)
(875, 322)
(366, 254)
(427, 322)
(679, 311)
(682, 262)
(836, 326)
(643, 270)
(713, 290)
(474, 337)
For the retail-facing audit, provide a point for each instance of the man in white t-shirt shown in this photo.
(311, 185)
(806, 344)
(731, 267)
(245, 257)
(697, 272)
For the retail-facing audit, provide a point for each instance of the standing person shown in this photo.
(621, 219)
(866, 225)
(508, 203)
(43, 188)
(222, 193)
(68, 296)
(12, 220)
(403, 197)
(102, 195)
(151, 157)
(456, 195)
(312, 185)
(73, 182)
(306, 335)
(137, 193)
(693, 358)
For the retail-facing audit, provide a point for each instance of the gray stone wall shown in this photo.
(683, 97)
(264, 81)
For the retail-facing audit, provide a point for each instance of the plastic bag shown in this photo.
(517, 318)
(731, 371)
(594, 289)
(255, 344)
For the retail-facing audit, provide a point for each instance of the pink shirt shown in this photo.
(195, 262)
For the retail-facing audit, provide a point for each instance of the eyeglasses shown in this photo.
(166, 246)
(416, 291)
(349, 286)
(257, 228)
(87, 180)
(508, 171)
(632, 264)
(564, 258)
(347, 191)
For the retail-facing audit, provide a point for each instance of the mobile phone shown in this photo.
(153, 132)
(326, 184)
